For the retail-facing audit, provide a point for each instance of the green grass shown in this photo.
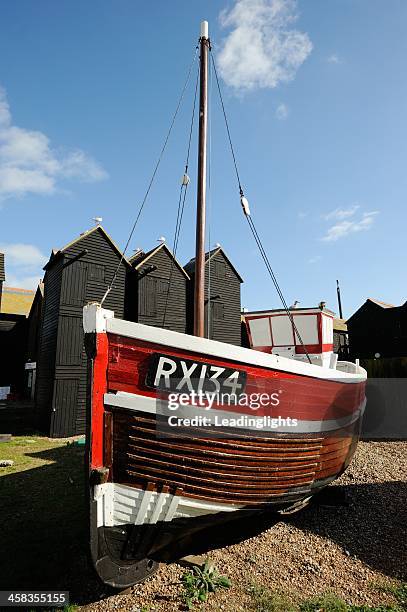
(270, 601)
(264, 600)
(44, 539)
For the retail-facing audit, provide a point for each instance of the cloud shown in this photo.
(23, 282)
(302, 214)
(28, 163)
(333, 59)
(282, 112)
(315, 259)
(262, 49)
(342, 213)
(24, 263)
(345, 228)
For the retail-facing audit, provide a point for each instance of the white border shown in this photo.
(221, 350)
(152, 405)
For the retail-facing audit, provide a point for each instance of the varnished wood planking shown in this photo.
(243, 470)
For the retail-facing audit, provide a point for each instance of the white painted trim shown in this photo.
(95, 318)
(221, 350)
(141, 506)
(152, 405)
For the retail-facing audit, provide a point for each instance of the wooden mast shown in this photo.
(199, 289)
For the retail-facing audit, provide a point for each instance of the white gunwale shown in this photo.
(99, 320)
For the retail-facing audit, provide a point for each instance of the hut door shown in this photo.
(74, 283)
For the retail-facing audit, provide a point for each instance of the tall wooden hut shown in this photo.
(76, 274)
(378, 329)
(2, 275)
(157, 290)
(222, 297)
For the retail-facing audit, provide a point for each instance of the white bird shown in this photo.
(294, 305)
(98, 220)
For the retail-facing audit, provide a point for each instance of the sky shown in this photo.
(316, 98)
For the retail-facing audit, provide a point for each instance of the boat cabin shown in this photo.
(272, 331)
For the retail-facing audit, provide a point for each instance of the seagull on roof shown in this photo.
(294, 305)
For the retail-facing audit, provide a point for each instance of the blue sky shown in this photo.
(316, 96)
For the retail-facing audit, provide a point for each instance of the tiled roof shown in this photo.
(16, 301)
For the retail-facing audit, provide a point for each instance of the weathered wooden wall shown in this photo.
(78, 275)
(222, 297)
(150, 303)
(386, 392)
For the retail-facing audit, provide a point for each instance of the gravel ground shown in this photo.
(345, 550)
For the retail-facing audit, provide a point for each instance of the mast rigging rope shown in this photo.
(181, 201)
(150, 184)
(251, 222)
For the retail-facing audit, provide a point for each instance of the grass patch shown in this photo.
(199, 582)
(270, 601)
(44, 539)
(264, 600)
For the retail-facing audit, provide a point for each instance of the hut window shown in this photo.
(162, 286)
(96, 273)
(218, 309)
(220, 269)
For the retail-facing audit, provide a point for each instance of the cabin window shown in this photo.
(218, 310)
(162, 286)
(96, 273)
(219, 269)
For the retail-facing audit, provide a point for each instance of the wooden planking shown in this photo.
(220, 280)
(150, 295)
(79, 275)
(241, 470)
(47, 343)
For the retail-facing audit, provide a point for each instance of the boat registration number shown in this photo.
(178, 375)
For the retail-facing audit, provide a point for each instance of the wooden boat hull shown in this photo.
(150, 483)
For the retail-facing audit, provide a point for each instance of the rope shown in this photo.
(110, 287)
(181, 200)
(251, 222)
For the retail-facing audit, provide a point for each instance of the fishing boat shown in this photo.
(185, 431)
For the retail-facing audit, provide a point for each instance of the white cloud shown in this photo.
(28, 163)
(342, 213)
(24, 263)
(315, 259)
(23, 282)
(333, 59)
(345, 228)
(262, 49)
(282, 112)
